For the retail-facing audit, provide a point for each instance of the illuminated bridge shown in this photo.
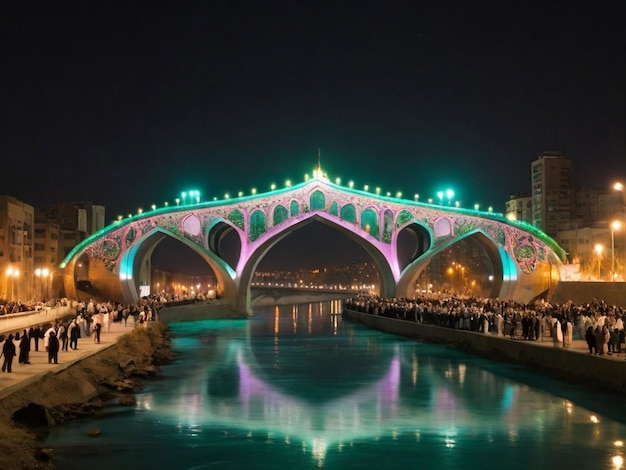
(117, 260)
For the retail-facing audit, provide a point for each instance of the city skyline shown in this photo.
(127, 107)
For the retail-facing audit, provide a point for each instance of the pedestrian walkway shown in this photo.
(578, 346)
(25, 374)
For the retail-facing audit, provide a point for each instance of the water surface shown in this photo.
(295, 387)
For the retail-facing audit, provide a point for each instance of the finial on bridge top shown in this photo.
(318, 173)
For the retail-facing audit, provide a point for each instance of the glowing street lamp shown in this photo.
(449, 195)
(615, 225)
(598, 249)
(440, 197)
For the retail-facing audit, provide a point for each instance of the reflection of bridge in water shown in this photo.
(117, 259)
(404, 388)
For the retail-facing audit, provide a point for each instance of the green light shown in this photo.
(416, 197)
(366, 187)
(226, 196)
(378, 191)
(273, 187)
(240, 194)
(253, 190)
(153, 206)
(140, 211)
(440, 197)
(351, 184)
(388, 193)
(449, 195)
(338, 180)
(399, 194)
(476, 207)
(177, 201)
(288, 183)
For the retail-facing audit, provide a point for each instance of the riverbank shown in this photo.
(76, 387)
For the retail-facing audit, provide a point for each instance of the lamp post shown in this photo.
(615, 225)
(12, 273)
(42, 274)
(598, 249)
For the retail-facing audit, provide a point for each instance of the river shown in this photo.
(295, 387)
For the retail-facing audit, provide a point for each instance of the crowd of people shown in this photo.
(88, 320)
(599, 324)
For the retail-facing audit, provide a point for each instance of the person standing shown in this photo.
(37, 336)
(8, 351)
(97, 328)
(24, 349)
(73, 334)
(63, 337)
(53, 348)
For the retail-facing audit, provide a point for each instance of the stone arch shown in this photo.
(294, 208)
(379, 259)
(280, 214)
(191, 225)
(236, 217)
(348, 213)
(258, 224)
(317, 201)
(369, 222)
(505, 273)
(442, 227)
(134, 261)
(422, 236)
(217, 232)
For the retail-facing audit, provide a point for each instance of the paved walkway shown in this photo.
(24, 374)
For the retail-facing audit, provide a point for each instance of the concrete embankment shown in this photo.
(18, 321)
(577, 366)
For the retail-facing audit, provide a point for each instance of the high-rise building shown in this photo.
(16, 249)
(552, 191)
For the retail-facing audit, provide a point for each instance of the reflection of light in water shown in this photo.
(414, 368)
(617, 461)
(507, 399)
(375, 410)
(276, 320)
(462, 370)
(594, 419)
(319, 451)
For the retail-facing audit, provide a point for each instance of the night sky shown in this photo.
(127, 104)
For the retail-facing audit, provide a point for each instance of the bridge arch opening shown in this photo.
(315, 254)
(413, 241)
(470, 267)
(178, 272)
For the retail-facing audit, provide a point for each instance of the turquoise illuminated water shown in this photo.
(295, 387)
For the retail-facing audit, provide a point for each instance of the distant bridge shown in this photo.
(117, 258)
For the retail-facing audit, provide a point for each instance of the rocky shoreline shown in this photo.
(117, 372)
